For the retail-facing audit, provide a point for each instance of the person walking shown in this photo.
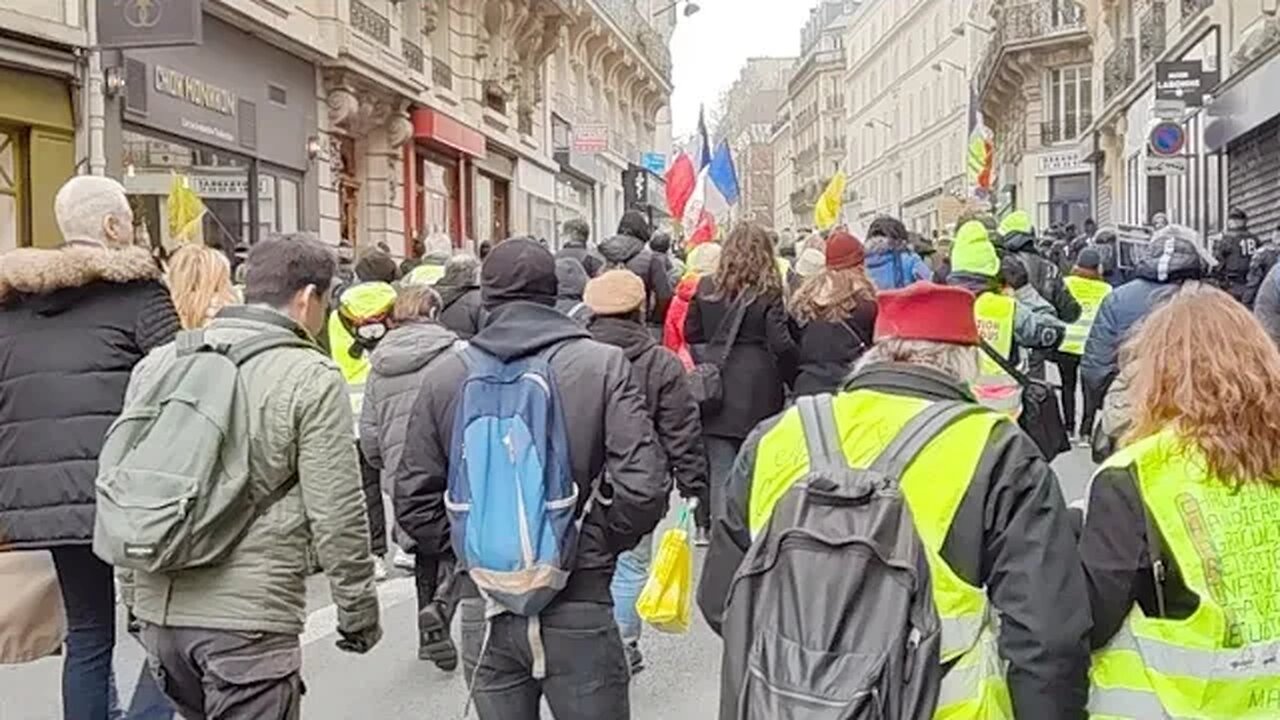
(974, 485)
(1265, 258)
(738, 320)
(225, 636)
(459, 289)
(576, 233)
(571, 283)
(1089, 289)
(397, 367)
(511, 660)
(1266, 307)
(833, 317)
(73, 323)
(1178, 540)
(1017, 238)
(630, 249)
(1234, 254)
(199, 279)
(891, 261)
(703, 261)
(616, 300)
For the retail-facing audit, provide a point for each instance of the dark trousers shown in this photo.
(227, 675)
(88, 687)
(1069, 370)
(586, 672)
(1093, 397)
(721, 454)
(433, 578)
(371, 480)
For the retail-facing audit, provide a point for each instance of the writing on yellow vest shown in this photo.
(995, 388)
(1224, 660)
(1089, 293)
(934, 486)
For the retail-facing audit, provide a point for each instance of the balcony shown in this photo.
(441, 74)
(1027, 25)
(370, 22)
(413, 56)
(1192, 8)
(1151, 34)
(1120, 70)
(639, 31)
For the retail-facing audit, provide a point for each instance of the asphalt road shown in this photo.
(680, 682)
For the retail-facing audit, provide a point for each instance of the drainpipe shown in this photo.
(95, 102)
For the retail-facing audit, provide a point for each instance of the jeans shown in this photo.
(721, 454)
(586, 673)
(1069, 369)
(628, 580)
(88, 683)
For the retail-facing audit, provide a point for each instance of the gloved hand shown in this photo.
(359, 641)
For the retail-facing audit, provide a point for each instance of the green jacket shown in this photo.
(300, 426)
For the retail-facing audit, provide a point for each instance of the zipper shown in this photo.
(796, 695)
(913, 644)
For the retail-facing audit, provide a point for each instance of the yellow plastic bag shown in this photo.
(666, 602)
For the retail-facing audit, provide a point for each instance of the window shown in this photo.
(1069, 105)
(12, 212)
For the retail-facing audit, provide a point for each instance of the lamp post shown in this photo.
(690, 9)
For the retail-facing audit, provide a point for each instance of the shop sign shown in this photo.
(1185, 80)
(591, 138)
(1060, 163)
(149, 23)
(1158, 166)
(654, 162)
(198, 92)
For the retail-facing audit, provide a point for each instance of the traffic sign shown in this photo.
(1166, 166)
(654, 162)
(1168, 139)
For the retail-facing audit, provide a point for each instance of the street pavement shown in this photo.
(680, 681)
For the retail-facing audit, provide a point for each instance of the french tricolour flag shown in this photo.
(714, 192)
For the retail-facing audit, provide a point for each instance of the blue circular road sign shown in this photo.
(1168, 139)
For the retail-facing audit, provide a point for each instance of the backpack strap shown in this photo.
(821, 435)
(189, 342)
(919, 432)
(245, 350)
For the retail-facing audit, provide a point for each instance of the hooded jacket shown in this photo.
(1172, 258)
(571, 282)
(634, 254)
(892, 265)
(608, 428)
(673, 327)
(1044, 275)
(1266, 308)
(658, 372)
(73, 323)
(461, 310)
(1011, 535)
(590, 259)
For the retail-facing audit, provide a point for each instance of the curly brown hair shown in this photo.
(832, 295)
(1203, 366)
(747, 264)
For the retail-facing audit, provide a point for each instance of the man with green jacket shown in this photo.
(225, 636)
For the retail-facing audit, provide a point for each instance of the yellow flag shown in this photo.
(185, 211)
(827, 211)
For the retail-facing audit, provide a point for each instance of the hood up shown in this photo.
(884, 245)
(449, 294)
(41, 272)
(519, 329)
(634, 339)
(1018, 242)
(1175, 254)
(620, 249)
(571, 278)
(409, 348)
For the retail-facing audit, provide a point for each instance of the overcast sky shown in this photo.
(707, 55)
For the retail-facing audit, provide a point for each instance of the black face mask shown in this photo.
(366, 334)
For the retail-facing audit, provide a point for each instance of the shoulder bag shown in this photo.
(1041, 415)
(705, 381)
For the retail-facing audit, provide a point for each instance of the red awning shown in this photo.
(429, 124)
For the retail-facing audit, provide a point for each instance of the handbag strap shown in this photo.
(739, 314)
(856, 335)
(1004, 363)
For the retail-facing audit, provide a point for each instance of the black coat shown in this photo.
(828, 350)
(461, 310)
(761, 363)
(73, 323)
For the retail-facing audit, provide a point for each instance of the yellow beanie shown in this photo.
(973, 253)
(1016, 222)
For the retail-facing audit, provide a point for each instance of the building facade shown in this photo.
(1034, 77)
(751, 107)
(905, 82)
(784, 218)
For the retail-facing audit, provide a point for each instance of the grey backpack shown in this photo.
(173, 486)
(831, 615)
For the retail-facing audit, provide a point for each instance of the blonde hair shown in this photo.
(1203, 366)
(200, 283)
(416, 302)
(832, 295)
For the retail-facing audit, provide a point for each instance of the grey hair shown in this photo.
(85, 202)
(461, 270)
(959, 362)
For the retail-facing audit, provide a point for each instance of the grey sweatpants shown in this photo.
(225, 674)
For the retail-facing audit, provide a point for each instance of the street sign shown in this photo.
(591, 138)
(1184, 80)
(1170, 109)
(654, 162)
(149, 23)
(1166, 166)
(1168, 139)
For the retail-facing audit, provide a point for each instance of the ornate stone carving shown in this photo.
(399, 128)
(430, 15)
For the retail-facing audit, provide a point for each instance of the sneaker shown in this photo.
(403, 560)
(379, 569)
(701, 538)
(435, 643)
(635, 659)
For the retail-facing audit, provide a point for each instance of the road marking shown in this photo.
(323, 623)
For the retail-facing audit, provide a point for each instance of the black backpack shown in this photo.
(831, 614)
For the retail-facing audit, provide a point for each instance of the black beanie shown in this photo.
(518, 269)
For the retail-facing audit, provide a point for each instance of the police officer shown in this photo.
(986, 504)
(1182, 526)
(1089, 289)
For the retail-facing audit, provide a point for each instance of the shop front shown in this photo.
(1245, 123)
(575, 182)
(37, 155)
(491, 206)
(438, 164)
(538, 187)
(232, 120)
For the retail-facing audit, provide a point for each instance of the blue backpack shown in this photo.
(512, 501)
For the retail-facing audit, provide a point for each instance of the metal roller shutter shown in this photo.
(1254, 176)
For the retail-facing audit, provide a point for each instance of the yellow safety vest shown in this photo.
(934, 486)
(1089, 293)
(995, 388)
(1224, 660)
(425, 275)
(365, 299)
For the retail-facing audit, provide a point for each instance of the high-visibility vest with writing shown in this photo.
(1224, 660)
(995, 388)
(1089, 293)
(934, 486)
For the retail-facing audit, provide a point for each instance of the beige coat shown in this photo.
(32, 621)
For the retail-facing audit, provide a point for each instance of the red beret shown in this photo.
(927, 311)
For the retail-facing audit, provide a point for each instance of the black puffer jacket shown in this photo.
(73, 323)
(1044, 275)
(461, 310)
(632, 253)
(829, 350)
(659, 373)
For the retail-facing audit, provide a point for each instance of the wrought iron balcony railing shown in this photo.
(1120, 69)
(649, 41)
(1192, 8)
(1152, 34)
(1026, 22)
